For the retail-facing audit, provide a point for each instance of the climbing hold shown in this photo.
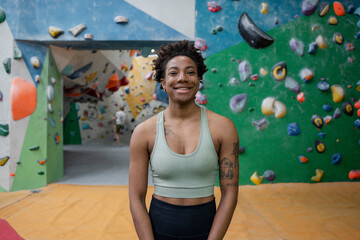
(12, 174)
(267, 106)
(292, 85)
(354, 174)
(312, 48)
(261, 124)
(264, 72)
(41, 162)
(327, 107)
(7, 65)
(319, 174)
(241, 149)
(254, 36)
(358, 86)
(254, 77)
(269, 175)
(297, 47)
(279, 71)
(213, 6)
(339, 8)
(200, 98)
(323, 86)
(332, 20)
(50, 108)
(77, 29)
(34, 148)
(321, 134)
(251, 84)
(88, 36)
(357, 104)
(127, 90)
(350, 60)
(303, 159)
(308, 7)
(35, 61)
(348, 108)
(301, 97)
(52, 80)
(57, 138)
(316, 26)
(244, 70)
(327, 119)
(349, 47)
(17, 53)
(357, 123)
(324, 8)
(276, 20)
(293, 129)
(2, 15)
(309, 149)
(256, 179)
(41, 172)
(50, 93)
(200, 44)
(320, 42)
(306, 75)
(121, 19)
(55, 32)
(337, 93)
(4, 160)
(4, 129)
(279, 109)
(336, 158)
(214, 70)
(238, 103)
(317, 121)
(219, 28)
(233, 81)
(320, 146)
(52, 122)
(338, 38)
(264, 8)
(149, 75)
(351, 9)
(23, 98)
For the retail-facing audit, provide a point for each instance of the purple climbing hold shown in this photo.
(327, 107)
(308, 7)
(323, 8)
(338, 38)
(241, 149)
(317, 121)
(336, 158)
(297, 47)
(269, 175)
(238, 103)
(323, 86)
(244, 70)
(293, 129)
(337, 113)
(291, 84)
(320, 146)
(309, 149)
(348, 108)
(261, 123)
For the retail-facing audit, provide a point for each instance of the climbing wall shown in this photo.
(285, 108)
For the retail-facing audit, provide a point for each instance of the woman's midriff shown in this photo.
(185, 201)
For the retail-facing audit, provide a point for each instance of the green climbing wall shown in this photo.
(71, 127)
(41, 132)
(272, 148)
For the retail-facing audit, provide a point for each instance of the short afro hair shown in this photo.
(181, 48)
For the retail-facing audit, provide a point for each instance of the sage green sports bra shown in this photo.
(184, 176)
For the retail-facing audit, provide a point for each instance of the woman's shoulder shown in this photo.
(216, 118)
(147, 126)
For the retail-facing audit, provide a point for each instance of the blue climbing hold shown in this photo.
(312, 48)
(323, 86)
(336, 158)
(293, 129)
(321, 134)
(357, 123)
(327, 107)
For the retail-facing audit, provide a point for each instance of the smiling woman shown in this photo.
(190, 146)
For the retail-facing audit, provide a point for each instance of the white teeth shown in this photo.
(183, 88)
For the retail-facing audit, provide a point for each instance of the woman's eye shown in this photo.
(191, 73)
(172, 73)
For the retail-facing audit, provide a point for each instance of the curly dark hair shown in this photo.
(181, 48)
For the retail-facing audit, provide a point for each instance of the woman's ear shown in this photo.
(162, 80)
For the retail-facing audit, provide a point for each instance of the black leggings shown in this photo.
(175, 222)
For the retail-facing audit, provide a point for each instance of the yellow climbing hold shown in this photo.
(320, 42)
(279, 109)
(255, 178)
(267, 106)
(263, 72)
(337, 93)
(264, 8)
(319, 174)
(55, 31)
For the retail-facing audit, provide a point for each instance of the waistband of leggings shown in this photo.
(181, 206)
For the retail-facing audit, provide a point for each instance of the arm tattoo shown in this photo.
(168, 131)
(236, 152)
(226, 169)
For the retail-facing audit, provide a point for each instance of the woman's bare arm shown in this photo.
(229, 178)
(138, 177)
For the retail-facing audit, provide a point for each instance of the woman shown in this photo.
(185, 145)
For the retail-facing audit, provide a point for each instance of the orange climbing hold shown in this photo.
(339, 8)
(301, 97)
(23, 98)
(113, 81)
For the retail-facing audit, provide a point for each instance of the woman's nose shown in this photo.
(182, 77)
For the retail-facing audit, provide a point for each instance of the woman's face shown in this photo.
(181, 80)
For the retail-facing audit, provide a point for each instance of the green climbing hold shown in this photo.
(17, 53)
(4, 129)
(41, 172)
(34, 148)
(18, 162)
(2, 15)
(7, 65)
